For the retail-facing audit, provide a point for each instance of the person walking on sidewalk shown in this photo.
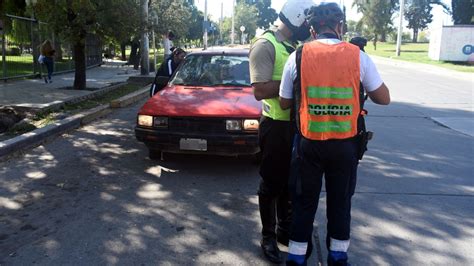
(325, 76)
(48, 51)
(268, 55)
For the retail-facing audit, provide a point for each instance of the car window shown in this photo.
(213, 70)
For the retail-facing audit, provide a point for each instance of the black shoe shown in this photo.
(270, 250)
(283, 237)
(338, 260)
(45, 80)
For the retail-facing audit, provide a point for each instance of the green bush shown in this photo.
(423, 37)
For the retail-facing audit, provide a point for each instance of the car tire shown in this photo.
(154, 154)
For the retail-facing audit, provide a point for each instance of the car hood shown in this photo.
(200, 101)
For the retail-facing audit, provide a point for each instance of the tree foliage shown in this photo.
(172, 15)
(76, 19)
(266, 14)
(463, 12)
(418, 14)
(195, 24)
(246, 15)
(377, 16)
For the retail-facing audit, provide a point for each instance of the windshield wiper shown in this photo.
(231, 84)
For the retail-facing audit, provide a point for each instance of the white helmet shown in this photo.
(294, 12)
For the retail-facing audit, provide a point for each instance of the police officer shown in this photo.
(324, 77)
(268, 55)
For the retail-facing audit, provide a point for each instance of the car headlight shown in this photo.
(251, 124)
(233, 125)
(160, 121)
(145, 120)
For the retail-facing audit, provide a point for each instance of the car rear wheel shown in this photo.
(154, 154)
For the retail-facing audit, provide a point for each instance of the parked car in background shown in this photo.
(207, 107)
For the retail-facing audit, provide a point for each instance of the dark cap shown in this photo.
(325, 14)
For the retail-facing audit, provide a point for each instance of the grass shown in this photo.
(103, 99)
(23, 65)
(43, 119)
(414, 52)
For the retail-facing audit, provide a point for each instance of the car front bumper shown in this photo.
(219, 143)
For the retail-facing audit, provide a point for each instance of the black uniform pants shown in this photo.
(337, 161)
(275, 140)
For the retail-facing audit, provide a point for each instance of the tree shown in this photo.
(77, 19)
(266, 15)
(172, 15)
(195, 24)
(246, 15)
(418, 14)
(463, 12)
(122, 24)
(377, 17)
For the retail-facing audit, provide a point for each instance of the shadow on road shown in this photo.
(92, 197)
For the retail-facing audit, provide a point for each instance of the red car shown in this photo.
(207, 107)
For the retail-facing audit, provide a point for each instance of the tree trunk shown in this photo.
(415, 35)
(383, 37)
(123, 47)
(59, 51)
(375, 42)
(134, 55)
(80, 65)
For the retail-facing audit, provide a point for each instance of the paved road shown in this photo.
(92, 196)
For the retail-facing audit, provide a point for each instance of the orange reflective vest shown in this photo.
(330, 79)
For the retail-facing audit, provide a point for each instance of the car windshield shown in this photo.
(213, 70)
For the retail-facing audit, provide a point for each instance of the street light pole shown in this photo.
(232, 31)
(144, 47)
(205, 25)
(400, 30)
(154, 22)
(220, 22)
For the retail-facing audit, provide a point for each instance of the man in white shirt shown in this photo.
(168, 44)
(322, 80)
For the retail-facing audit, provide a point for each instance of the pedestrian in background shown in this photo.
(323, 77)
(168, 44)
(48, 51)
(268, 55)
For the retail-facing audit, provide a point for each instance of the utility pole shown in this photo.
(400, 29)
(232, 31)
(220, 22)
(205, 25)
(154, 23)
(144, 45)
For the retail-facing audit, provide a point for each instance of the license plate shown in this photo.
(193, 144)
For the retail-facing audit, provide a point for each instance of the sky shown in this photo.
(214, 10)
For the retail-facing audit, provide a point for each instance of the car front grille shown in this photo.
(197, 125)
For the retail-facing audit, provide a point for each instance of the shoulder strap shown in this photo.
(297, 88)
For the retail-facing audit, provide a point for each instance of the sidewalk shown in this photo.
(35, 93)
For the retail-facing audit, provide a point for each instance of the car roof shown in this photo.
(221, 50)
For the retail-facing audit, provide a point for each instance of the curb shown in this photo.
(130, 98)
(38, 136)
